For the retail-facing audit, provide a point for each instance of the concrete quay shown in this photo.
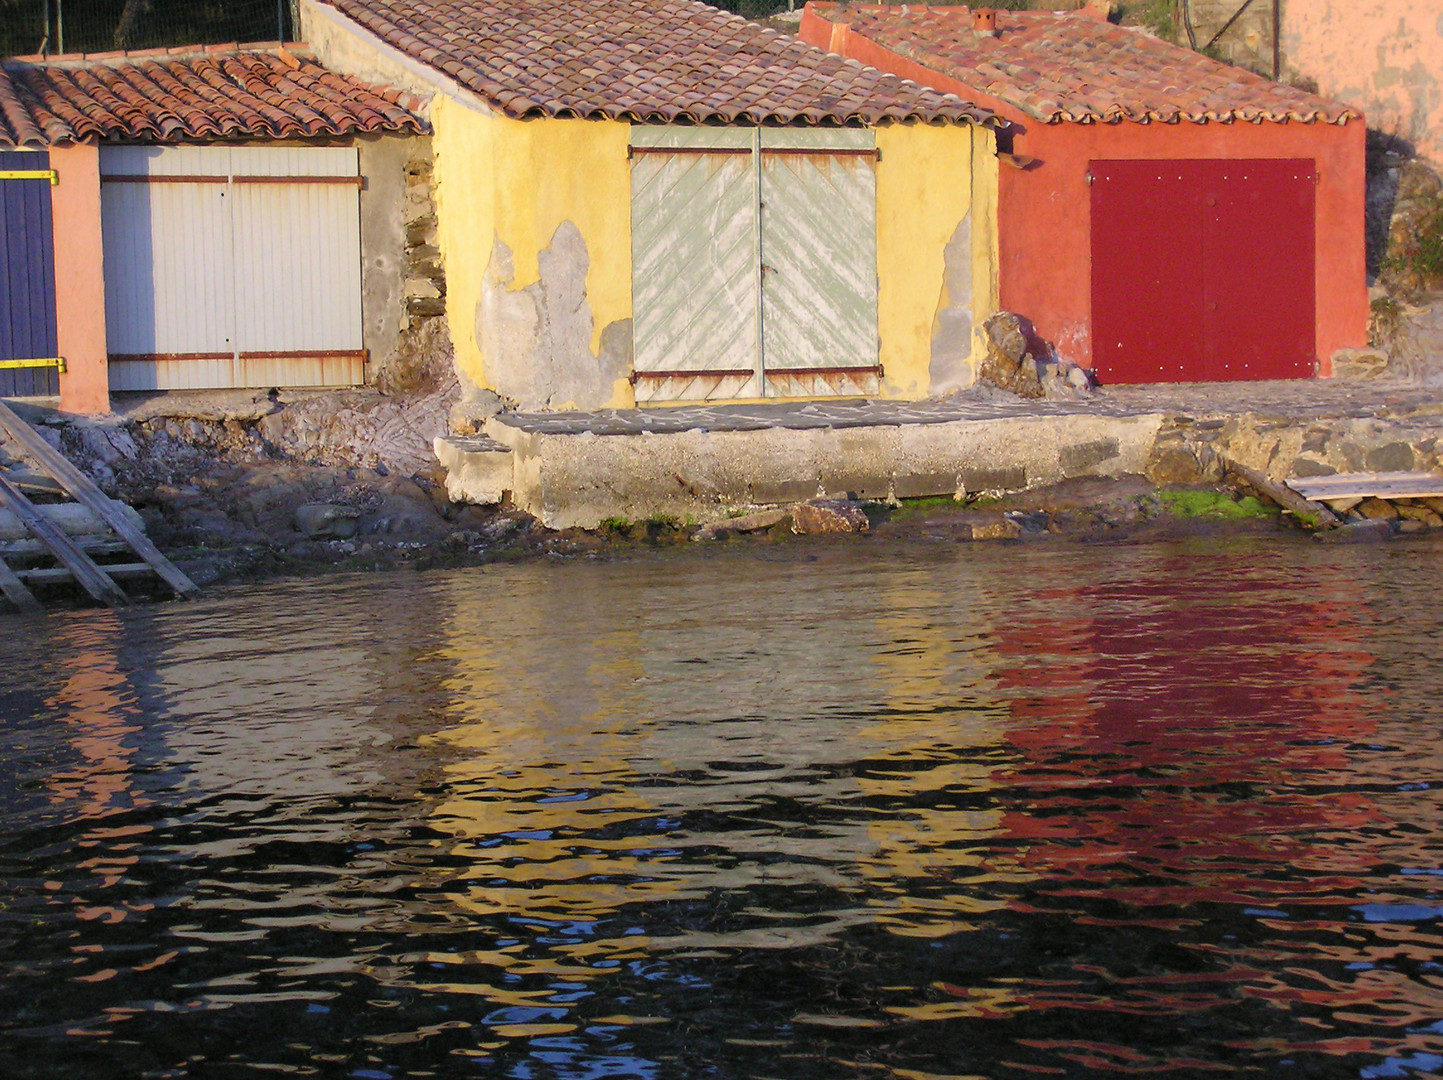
(704, 463)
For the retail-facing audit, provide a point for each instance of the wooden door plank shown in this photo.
(1283, 495)
(83, 490)
(16, 592)
(91, 545)
(59, 575)
(90, 577)
(1394, 485)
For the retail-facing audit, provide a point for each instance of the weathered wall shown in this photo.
(79, 279)
(344, 46)
(535, 234)
(1044, 232)
(1384, 56)
(401, 279)
(383, 246)
(934, 255)
(1248, 42)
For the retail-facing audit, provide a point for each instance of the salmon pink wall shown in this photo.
(79, 279)
(1044, 234)
(1383, 56)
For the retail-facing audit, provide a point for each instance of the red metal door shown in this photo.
(1147, 271)
(1258, 292)
(1202, 270)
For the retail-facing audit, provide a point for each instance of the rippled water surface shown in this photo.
(809, 811)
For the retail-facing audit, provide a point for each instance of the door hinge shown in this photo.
(31, 174)
(57, 362)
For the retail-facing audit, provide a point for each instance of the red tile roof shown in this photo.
(643, 60)
(170, 96)
(1067, 67)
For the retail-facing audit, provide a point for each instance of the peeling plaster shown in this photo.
(536, 340)
(949, 367)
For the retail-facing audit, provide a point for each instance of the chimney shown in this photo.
(984, 22)
(1097, 9)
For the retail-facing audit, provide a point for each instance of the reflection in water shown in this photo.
(813, 811)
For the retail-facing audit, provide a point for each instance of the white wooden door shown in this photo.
(232, 266)
(696, 312)
(819, 261)
(754, 263)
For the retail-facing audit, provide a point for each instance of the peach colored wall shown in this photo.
(1045, 256)
(79, 279)
(1383, 56)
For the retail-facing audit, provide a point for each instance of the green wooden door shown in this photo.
(754, 263)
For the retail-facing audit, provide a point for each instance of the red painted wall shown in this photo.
(1045, 261)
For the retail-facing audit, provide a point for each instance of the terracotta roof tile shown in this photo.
(173, 95)
(642, 60)
(1062, 66)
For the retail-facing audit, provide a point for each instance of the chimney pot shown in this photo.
(984, 22)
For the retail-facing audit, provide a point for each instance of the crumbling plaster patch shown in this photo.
(536, 340)
(950, 365)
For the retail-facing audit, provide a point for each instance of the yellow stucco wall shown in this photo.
(505, 187)
(925, 190)
(517, 182)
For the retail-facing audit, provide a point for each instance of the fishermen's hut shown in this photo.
(1162, 217)
(653, 202)
(199, 218)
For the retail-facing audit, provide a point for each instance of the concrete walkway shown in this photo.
(1292, 399)
(706, 462)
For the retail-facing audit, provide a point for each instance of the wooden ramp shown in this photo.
(75, 558)
(1386, 485)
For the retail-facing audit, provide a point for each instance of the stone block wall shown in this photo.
(1247, 43)
(424, 287)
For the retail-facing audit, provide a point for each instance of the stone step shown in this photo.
(579, 470)
(479, 469)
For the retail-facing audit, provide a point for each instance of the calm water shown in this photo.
(818, 810)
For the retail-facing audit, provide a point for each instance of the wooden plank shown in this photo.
(31, 482)
(59, 575)
(1394, 485)
(1281, 494)
(16, 592)
(90, 577)
(83, 490)
(91, 545)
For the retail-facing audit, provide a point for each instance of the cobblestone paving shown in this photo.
(1286, 399)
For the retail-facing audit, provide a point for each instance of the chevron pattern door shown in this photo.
(754, 263)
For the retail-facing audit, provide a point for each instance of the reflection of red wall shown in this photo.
(1045, 257)
(1177, 691)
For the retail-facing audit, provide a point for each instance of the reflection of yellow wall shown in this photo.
(928, 179)
(517, 181)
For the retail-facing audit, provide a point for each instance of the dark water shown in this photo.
(820, 811)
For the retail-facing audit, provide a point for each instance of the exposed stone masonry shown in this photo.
(425, 284)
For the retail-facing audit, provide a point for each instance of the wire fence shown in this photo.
(54, 26)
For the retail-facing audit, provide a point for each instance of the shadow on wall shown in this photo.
(536, 340)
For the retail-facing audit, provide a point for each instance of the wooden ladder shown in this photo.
(73, 554)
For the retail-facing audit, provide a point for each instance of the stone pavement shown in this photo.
(1283, 399)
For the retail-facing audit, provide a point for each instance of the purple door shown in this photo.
(27, 275)
(1202, 270)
